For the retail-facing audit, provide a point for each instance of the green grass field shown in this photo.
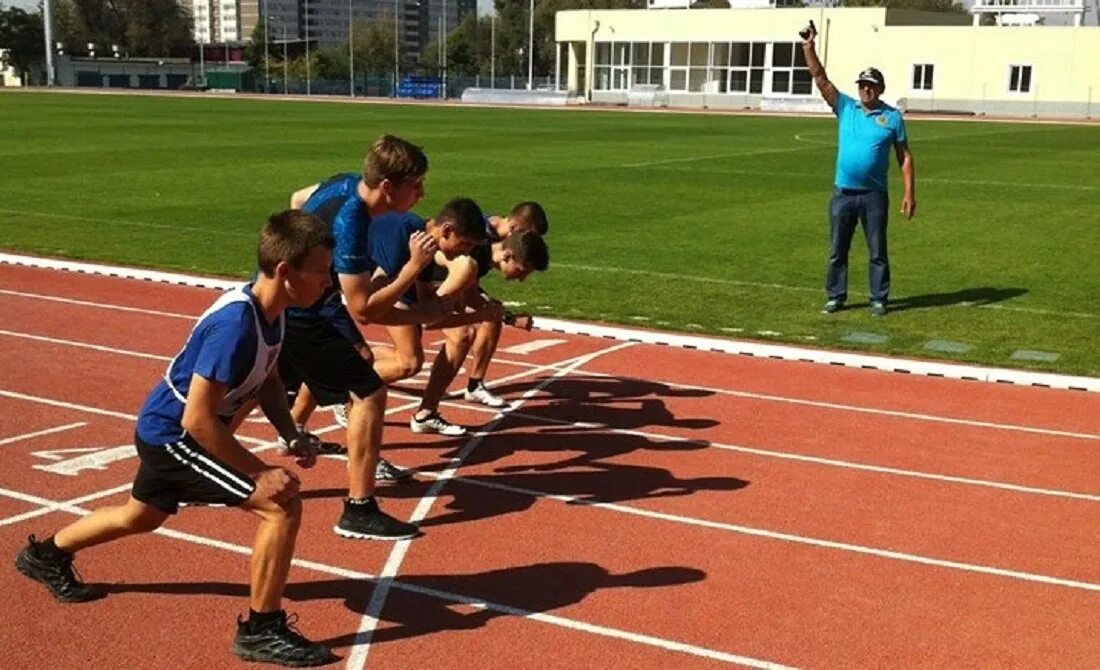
(690, 222)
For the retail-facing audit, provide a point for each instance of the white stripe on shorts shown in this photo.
(196, 461)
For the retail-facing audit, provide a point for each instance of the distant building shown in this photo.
(324, 23)
(752, 58)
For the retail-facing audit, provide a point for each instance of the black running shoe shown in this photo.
(57, 575)
(279, 642)
(366, 521)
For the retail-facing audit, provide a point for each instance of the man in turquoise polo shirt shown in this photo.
(866, 131)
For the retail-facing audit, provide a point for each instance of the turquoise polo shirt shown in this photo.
(864, 141)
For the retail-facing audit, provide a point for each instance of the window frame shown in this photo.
(927, 76)
(1019, 90)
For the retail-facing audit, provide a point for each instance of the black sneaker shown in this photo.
(57, 575)
(279, 642)
(366, 521)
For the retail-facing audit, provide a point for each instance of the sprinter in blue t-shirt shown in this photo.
(188, 452)
(458, 227)
(324, 352)
(867, 130)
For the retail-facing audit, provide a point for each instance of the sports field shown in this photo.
(692, 222)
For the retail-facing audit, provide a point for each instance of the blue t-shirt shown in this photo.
(864, 141)
(222, 348)
(337, 203)
(389, 247)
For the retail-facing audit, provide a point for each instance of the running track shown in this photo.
(643, 507)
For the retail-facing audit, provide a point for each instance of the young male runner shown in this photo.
(515, 257)
(458, 227)
(184, 439)
(324, 349)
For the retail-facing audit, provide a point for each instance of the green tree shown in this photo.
(254, 49)
(138, 27)
(373, 46)
(949, 6)
(22, 34)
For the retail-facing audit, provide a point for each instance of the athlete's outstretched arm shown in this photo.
(299, 198)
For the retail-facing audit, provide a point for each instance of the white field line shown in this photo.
(789, 537)
(39, 433)
(732, 154)
(357, 657)
(817, 356)
(213, 231)
(571, 624)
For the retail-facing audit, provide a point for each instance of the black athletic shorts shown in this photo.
(316, 354)
(185, 472)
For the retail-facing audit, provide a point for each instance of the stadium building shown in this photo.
(751, 57)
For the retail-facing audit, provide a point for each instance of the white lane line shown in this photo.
(84, 345)
(39, 433)
(64, 506)
(571, 624)
(99, 305)
(916, 416)
(789, 537)
(816, 356)
(357, 657)
(792, 456)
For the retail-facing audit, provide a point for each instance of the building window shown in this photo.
(621, 65)
(922, 77)
(790, 74)
(1019, 78)
(746, 74)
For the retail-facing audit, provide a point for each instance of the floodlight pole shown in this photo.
(267, 57)
(47, 24)
(493, 50)
(306, 18)
(396, 49)
(351, 51)
(530, 44)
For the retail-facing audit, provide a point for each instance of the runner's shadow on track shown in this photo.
(413, 607)
(975, 297)
(612, 401)
(580, 467)
(424, 604)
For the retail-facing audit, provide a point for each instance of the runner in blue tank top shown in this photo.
(188, 452)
